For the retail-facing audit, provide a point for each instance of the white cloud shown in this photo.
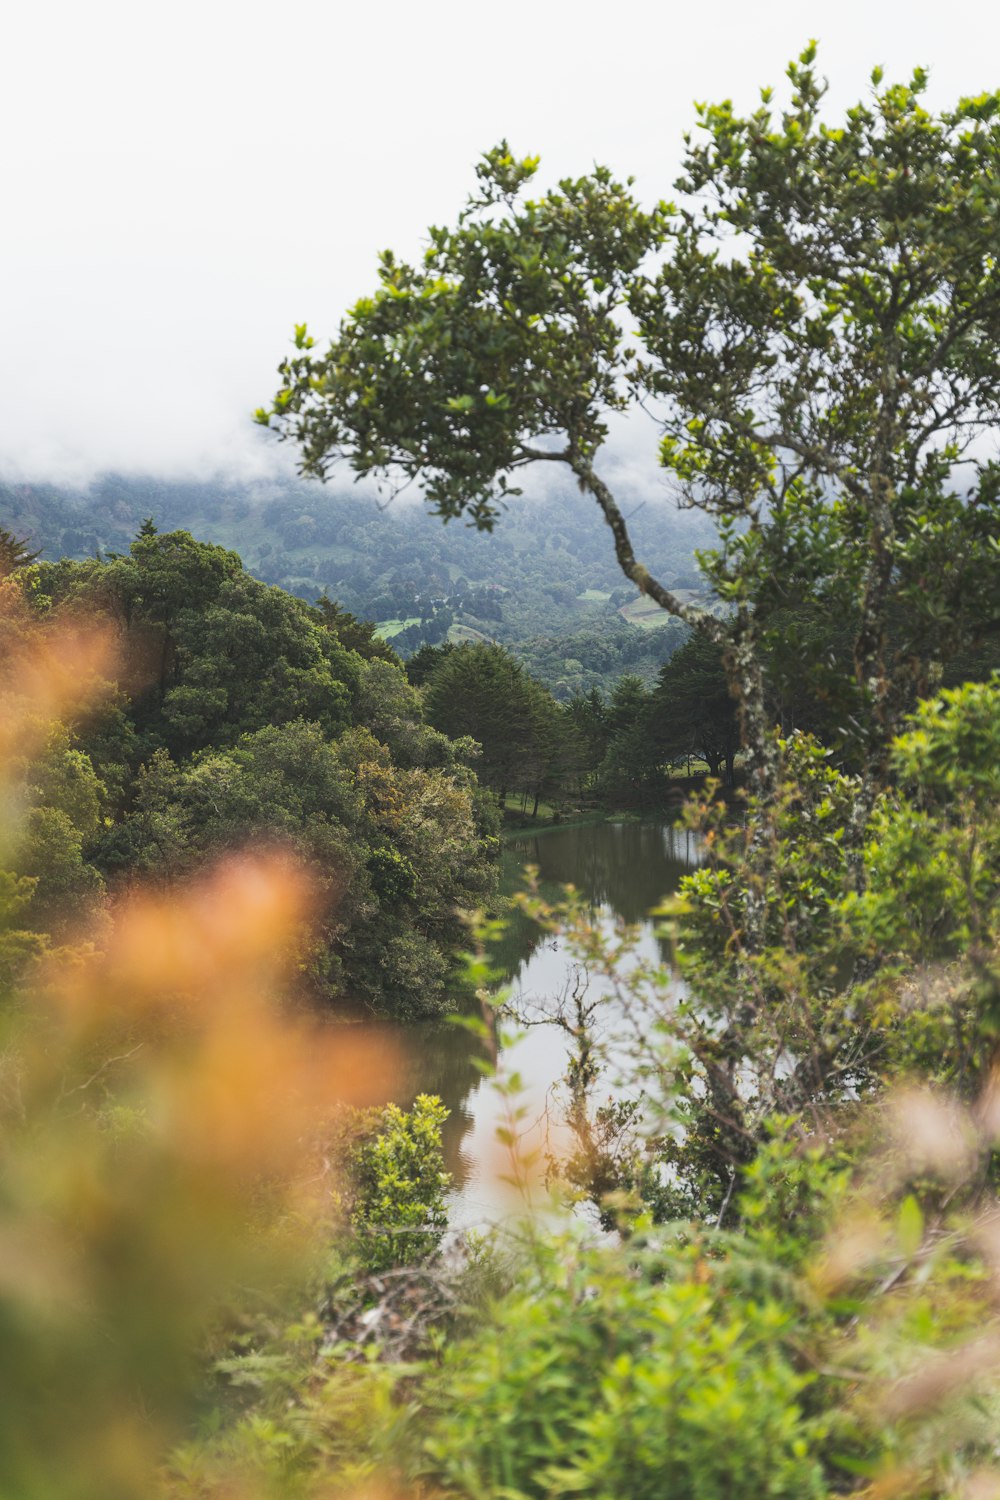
(190, 180)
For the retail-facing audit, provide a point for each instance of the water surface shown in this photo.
(622, 870)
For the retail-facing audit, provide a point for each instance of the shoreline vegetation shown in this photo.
(682, 787)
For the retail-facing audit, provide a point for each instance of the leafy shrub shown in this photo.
(399, 1214)
(597, 1380)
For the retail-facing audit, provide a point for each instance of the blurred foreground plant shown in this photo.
(162, 1119)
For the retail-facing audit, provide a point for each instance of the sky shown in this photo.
(183, 182)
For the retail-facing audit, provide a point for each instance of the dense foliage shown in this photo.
(818, 317)
(399, 1215)
(237, 717)
(768, 1263)
(840, 1325)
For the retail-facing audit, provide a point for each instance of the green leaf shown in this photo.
(909, 1226)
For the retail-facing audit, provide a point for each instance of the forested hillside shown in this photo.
(547, 585)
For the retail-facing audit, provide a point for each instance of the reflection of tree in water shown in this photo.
(520, 936)
(625, 867)
(628, 867)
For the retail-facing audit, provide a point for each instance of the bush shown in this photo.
(598, 1380)
(399, 1214)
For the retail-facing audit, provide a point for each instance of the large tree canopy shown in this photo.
(209, 652)
(502, 349)
(826, 336)
(240, 719)
(819, 319)
(692, 711)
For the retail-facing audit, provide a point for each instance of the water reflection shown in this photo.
(627, 867)
(623, 870)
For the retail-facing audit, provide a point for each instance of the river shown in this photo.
(622, 870)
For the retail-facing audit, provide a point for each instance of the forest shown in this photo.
(248, 846)
(547, 586)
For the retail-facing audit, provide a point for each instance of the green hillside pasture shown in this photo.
(459, 633)
(645, 612)
(648, 614)
(386, 629)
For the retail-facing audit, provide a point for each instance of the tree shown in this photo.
(558, 752)
(424, 661)
(63, 798)
(14, 552)
(394, 854)
(821, 338)
(483, 692)
(239, 719)
(392, 708)
(783, 1027)
(692, 710)
(824, 335)
(209, 652)
(589, 715)
(352, 633)
(504, 337)
(632, 761)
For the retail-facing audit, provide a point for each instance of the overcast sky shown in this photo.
(182, 182)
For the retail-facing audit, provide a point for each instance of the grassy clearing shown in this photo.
(459, 633)
(645, 612)
(386, 629)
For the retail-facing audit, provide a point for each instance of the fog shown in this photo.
(183, 183)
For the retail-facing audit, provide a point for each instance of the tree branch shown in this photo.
(698, 619)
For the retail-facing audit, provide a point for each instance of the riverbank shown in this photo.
(516, 823)
(622, 866)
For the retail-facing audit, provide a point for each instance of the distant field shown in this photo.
(645, 612)
(648, 614)
(594, 596)
(386, 629)
(459, 633)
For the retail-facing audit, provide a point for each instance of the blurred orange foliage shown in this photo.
(165, 1102)
(48, 670)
